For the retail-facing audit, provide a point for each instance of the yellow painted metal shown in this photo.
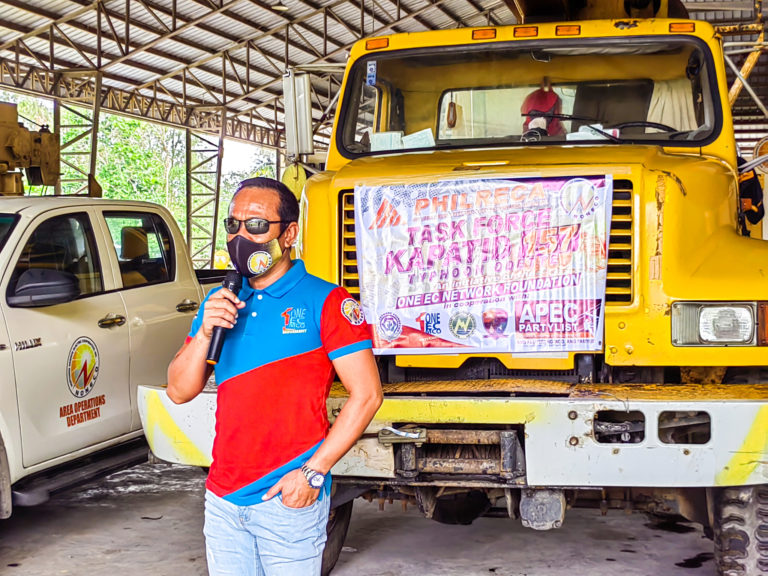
(459, 411)
(160, 425)
(544, 388)
(519, 362)
(752, 452)
(672, 392)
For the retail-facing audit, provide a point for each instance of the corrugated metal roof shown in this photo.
(195, 51)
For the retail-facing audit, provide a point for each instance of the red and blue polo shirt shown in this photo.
(273, 379)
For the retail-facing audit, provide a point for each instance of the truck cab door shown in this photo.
(70, 359)
(160, 293)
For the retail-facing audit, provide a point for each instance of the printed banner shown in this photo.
(491, 265)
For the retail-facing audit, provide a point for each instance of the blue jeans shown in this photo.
(264, 539)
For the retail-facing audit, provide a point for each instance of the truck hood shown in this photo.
(687, 204)
(520, 163)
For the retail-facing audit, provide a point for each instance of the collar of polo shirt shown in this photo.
(282, 286)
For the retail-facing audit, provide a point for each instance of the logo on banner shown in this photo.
(294, 319)
(390, 326)
(350, 309)
(429, 323)
(557, 318)
(462, 325)
(495, 322)
(386, 216)
(82, 367)
(578, 198)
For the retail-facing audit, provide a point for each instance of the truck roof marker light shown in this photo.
(568, 30)
(486, 163)
(526, 31)
(762, 323)
(682, 27)
(376, 43)
(484, 34)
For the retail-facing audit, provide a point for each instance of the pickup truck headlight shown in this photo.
(714, 324)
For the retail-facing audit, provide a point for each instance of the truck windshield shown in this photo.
(655, 91)
(7, 221)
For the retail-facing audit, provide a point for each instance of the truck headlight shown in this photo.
(714, 324)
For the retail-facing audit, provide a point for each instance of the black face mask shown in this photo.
(253, 259)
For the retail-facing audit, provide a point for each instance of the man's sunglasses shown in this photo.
(252, 225)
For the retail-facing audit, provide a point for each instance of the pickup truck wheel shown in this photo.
(741, 531)
(336, 529)
(5, 484)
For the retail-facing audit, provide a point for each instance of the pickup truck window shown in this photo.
(143, 245)
(7, 222)
(636, 91)
(64, 243)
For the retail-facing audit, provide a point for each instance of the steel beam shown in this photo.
(75, 89)
(204, 155)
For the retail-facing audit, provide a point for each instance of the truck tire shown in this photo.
(336, 529)
(741, 531)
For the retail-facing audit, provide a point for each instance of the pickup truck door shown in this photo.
(70, 359)
(160, 292)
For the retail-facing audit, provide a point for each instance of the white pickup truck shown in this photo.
(95, 298)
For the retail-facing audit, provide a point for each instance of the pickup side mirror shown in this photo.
(43, 287)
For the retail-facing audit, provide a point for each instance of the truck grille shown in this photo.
(618, 287)
(620, 252)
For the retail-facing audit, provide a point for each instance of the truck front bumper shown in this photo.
(557, 424)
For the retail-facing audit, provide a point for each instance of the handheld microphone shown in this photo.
(232, 282)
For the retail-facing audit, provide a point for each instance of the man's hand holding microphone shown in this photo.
(221, 314)
(187, 373)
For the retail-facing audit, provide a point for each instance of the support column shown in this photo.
(78, 135)
(204, 155)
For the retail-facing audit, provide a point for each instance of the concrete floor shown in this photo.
(147, 521)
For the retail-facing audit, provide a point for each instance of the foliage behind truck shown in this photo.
(663, 407)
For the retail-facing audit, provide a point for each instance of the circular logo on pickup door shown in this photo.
(82, 367)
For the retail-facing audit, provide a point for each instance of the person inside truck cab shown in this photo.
(540, 109)
(287, 334)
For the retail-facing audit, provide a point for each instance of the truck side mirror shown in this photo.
(298, 114)
(44, 287)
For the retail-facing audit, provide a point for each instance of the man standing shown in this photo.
(287, 332)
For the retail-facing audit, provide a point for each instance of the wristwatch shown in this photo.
(314, 478)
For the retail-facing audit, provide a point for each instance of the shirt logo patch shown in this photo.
(352, 311)
(295, 320)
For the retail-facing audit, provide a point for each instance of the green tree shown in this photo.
(262, 163)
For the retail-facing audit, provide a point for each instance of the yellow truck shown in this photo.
(542, 222)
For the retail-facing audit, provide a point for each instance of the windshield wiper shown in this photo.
(607, 135)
